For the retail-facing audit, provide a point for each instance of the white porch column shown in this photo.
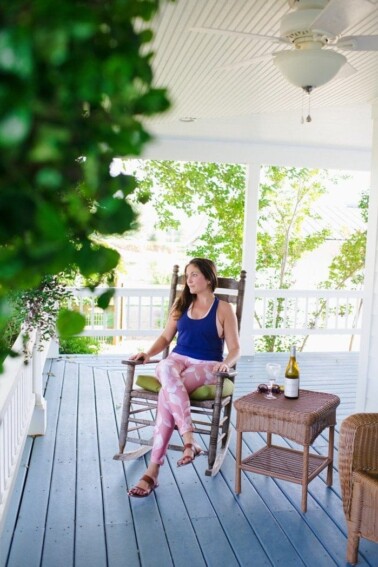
(249, 256)
(39, 419)
(367, 385)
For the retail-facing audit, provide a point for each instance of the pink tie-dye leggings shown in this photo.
(179, 375)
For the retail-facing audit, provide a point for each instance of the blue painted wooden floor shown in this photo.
(70, 506)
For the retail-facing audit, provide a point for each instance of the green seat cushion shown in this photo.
(149, 383)
(206, 392)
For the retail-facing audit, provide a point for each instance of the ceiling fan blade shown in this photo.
(339, 15)
(246, 62)
(346, 71)
(359, 43)
(246, 35)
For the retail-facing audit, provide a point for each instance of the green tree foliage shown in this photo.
(286, 203)
(346, 270)
(76, 83)
(214, 189)
(347, 267)
(287, 196)
(217, 190)
(80, 345)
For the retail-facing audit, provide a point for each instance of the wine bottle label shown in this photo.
(291, 387)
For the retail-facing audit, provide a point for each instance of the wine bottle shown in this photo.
(291, 390)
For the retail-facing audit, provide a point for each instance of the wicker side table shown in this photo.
(301, 421)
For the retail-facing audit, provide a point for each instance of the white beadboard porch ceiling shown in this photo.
(255, 103)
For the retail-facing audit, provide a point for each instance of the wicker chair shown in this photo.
(210, 405)
(358, 468)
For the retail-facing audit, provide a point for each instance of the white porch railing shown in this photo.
(307, 312)
(133, 312)
(22, 413)
(142, 312)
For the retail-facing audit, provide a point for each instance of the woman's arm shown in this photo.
(161, 342)
(229, 323)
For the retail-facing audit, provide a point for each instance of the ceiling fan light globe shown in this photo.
(314, 67)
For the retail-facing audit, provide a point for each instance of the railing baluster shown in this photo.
(140, 309)
(295, 312)
(336, 313)
(327, 300)
(92, 317)
(348, 305)
(305, 322)
(162, 310)
(151, 313)
(285, 312)
(263, 317)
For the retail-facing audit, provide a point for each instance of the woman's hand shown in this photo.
(143, 356)
(221, 367)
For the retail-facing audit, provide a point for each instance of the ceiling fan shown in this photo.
(314, 28)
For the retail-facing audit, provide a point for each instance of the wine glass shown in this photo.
(273, 370)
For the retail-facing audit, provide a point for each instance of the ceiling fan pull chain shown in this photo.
(308, 118)
(308, 91)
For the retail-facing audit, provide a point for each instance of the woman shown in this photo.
(203, 323)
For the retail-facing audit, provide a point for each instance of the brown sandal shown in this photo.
(138, 492)
(186, 460)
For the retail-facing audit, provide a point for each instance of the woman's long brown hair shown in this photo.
(209, 270)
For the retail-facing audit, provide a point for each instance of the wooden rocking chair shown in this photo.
(210, 405)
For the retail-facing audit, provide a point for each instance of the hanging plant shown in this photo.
(36, 310)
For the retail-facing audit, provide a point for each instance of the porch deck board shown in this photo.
(70, 505)
(59, 538)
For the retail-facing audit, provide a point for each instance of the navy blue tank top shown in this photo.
(198, 338)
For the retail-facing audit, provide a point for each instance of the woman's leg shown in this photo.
(179, 375)
(163, 430)
(168, 372)
(198, 373)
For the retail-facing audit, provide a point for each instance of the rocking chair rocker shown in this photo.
(210, 405)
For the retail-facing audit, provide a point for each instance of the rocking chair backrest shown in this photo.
(228, 289)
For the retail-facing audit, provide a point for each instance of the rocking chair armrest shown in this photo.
(230, 374)
(138, 362)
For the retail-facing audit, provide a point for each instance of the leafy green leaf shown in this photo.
(104, 299)
(14, 127)
(69, 323)
(15, 52)
(73, 77)
(94, 260)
